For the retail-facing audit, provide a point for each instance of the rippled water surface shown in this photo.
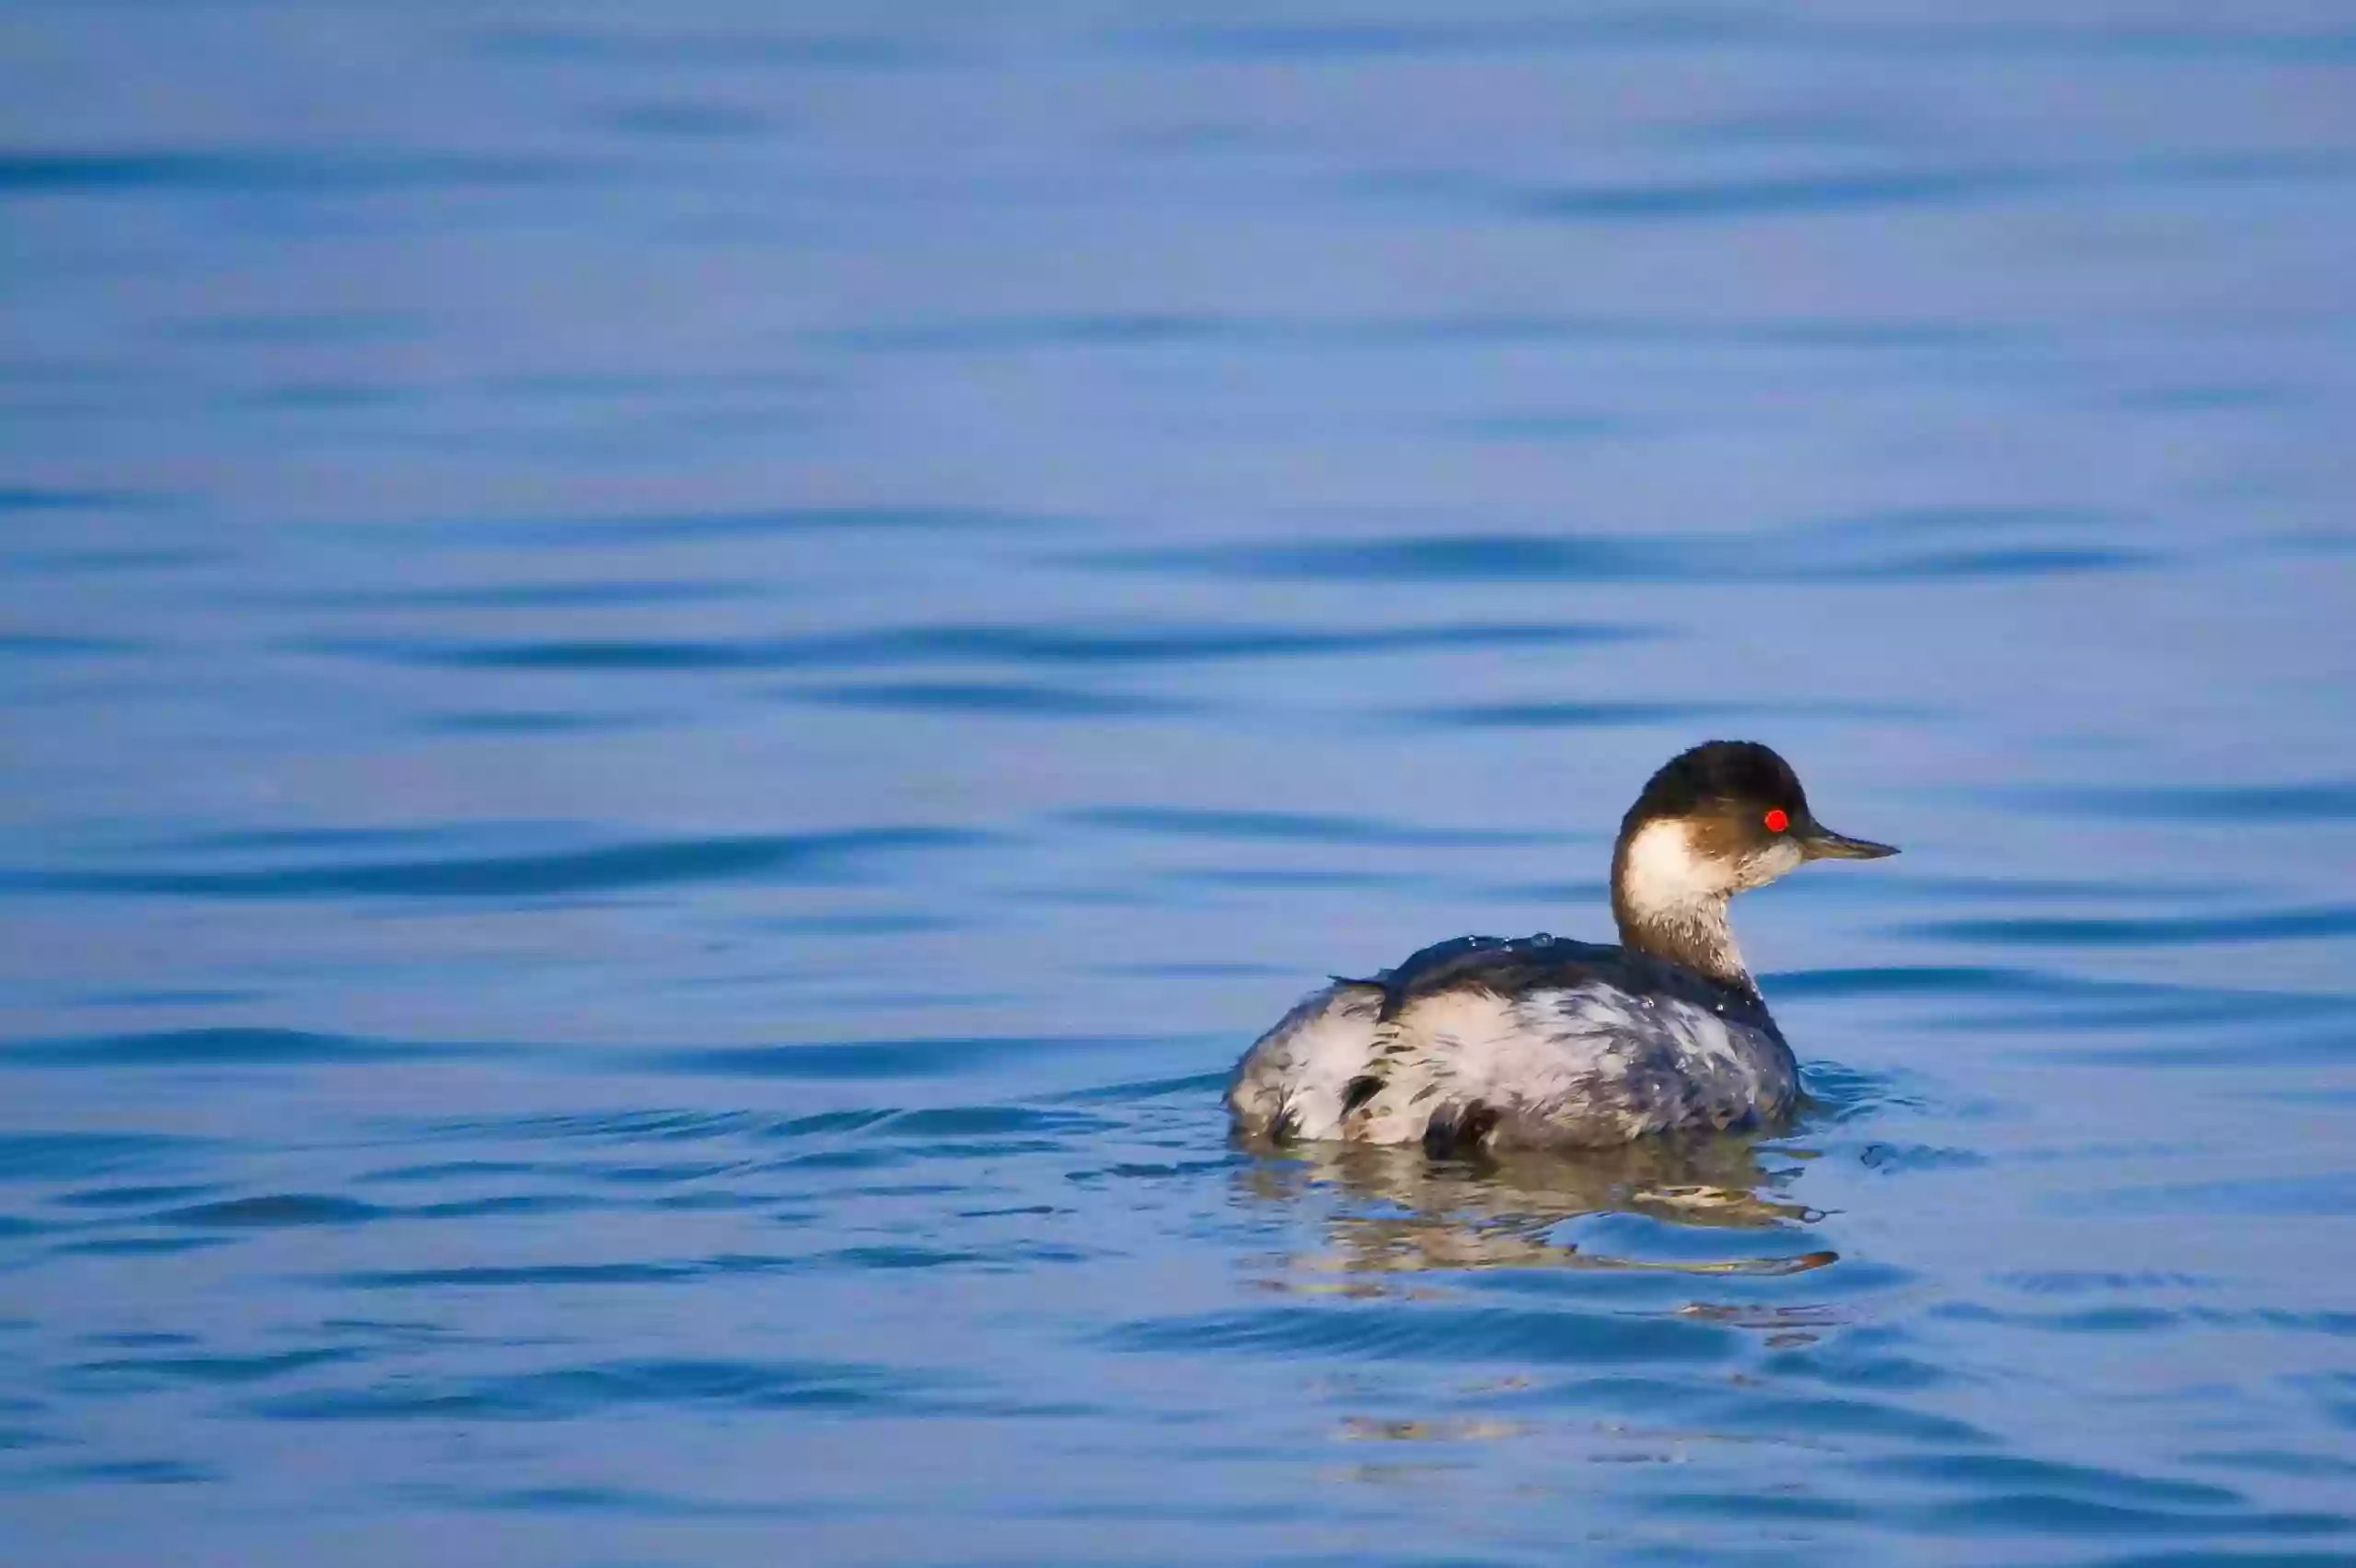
(677, 679)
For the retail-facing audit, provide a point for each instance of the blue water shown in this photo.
(677, 681)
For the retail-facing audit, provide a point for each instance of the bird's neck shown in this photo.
(1671, 902)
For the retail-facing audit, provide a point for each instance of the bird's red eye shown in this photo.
(1776, 820)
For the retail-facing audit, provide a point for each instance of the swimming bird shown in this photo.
(1487, 1043)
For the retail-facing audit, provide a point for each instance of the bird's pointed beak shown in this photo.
(1820, 842)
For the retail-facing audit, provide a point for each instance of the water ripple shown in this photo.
(1034, 700)
(135, 1472)
(480, 1276)
(937, 1057)
(58, 646)
(227, 1046)
(1451, 1334)
(2331, 801)
(1898, 546)
(1600, 715)
(1847, 191)
(80, 1154)
(824, 857)
(215, 1371)
(275, 1211)
(1297, 828)
(1890, 43)
(637, 49)
(954, 645)
(703, 527)
(986, 334)
(2219, 1557)
(620, 1502)
(2047, 932)
(1792, 194)
(45, 498)
(25, 171)
(567, 1393)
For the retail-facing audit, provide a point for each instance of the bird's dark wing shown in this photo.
(1520, 964)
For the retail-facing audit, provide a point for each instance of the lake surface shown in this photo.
(676, 680)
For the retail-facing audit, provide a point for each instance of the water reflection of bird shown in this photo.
(1406, 1212)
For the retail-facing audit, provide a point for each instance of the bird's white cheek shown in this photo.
(1778, 859)
(1663, 872)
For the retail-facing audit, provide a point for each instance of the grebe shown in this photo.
(1484, 1042)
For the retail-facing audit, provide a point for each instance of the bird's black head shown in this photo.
(1718, 777)
(1741, 804)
